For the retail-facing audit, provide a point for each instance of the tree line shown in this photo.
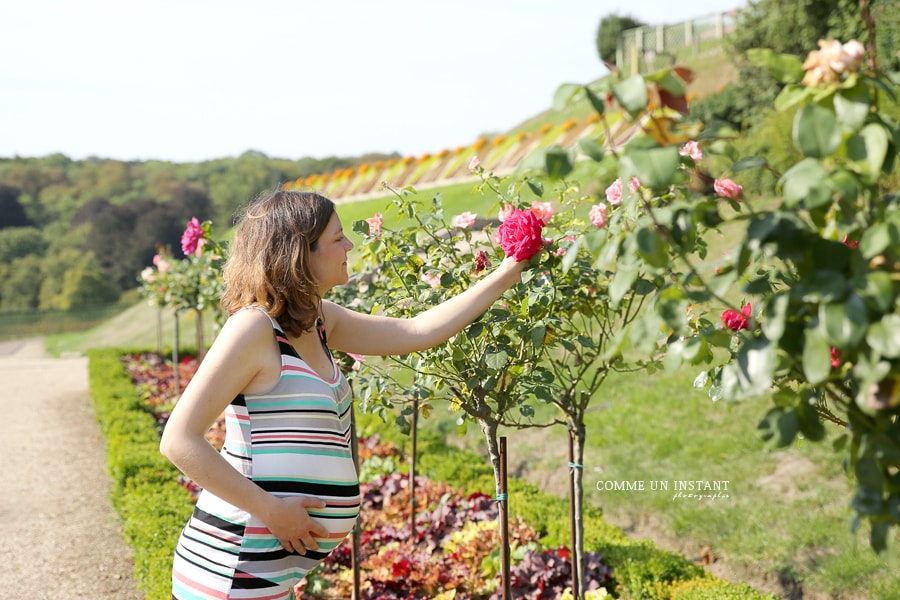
(76, 233)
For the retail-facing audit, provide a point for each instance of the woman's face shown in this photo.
(328, 262)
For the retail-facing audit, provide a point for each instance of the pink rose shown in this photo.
(850, 243)
(520, 235)
(431, 279)
(691, 149)
(358, 359)
(562, 249)
(728, 189)
(505, 211)
(160, 263)
(614, 193)
(634, 185)
(737, 321)
(474, 164)
(463, 221)
(192, 238)
(543, 211)
(482, 261)
(375, 223)
(598, 215)
(835, 357)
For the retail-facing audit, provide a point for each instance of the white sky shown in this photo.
(191, 80)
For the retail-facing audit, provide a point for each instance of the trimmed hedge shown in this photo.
(154, 506)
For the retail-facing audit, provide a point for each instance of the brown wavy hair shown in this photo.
(268, 260)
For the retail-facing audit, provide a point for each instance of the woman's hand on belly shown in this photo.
(289, 521)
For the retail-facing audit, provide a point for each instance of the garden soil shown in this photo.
(61, 537)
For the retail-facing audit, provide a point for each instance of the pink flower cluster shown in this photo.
(826, 65)
(614, 191)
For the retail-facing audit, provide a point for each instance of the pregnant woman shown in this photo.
(283, 492)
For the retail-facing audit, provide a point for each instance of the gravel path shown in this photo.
(61, 537)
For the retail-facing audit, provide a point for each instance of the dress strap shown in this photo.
(275, 324)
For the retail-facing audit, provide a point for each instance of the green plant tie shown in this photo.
(501, 498)
(576, 465)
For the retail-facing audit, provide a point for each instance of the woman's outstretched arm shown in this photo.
(351, 331)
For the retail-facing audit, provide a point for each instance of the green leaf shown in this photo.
(564, 95)
(774, 315)
(558, 162)
(595, 100)
(592, 148)
(571, 254)
(651, 247)
(821, 286)
(852, 106)
(631, 94)
(786, 68)
(868, 150)
(537, 336)
(361, 227)
(623, 279)
(536, 187)
(751, 372)
(816, 357)
(790, 96)
(701, 380)
(810, 423)
(845, 322)
(875, 240)
(816, 132)
(799, 179)
(779, 426)
(884, 336)
(497, 360)
(880, 290)
(748, 162)
(656, 167)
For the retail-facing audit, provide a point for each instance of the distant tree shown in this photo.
(85, 284)
(608, 33)
(19, 242)
(21, 287)
(12, 213)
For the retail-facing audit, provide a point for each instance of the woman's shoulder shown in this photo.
(248, 325)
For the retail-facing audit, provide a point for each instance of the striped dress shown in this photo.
(291, 440)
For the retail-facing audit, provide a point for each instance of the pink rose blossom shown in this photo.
(358, 359)
(728, 189)
(464, 220)
(614, 193)
(691, 149)
(192, 239)
(520, 235)
(431, 279)
(474, 164)
(375, 223)
(850, 243)
(505, 211)
(835, 357)
(482, 261)
(598, 215)
(737, 321)
(634, 185)
(562, 249)
(543, 211)
(160, 263)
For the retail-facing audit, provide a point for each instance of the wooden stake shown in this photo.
(572, 519)
(504, 523)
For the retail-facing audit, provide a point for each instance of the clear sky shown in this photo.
(191, 80)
